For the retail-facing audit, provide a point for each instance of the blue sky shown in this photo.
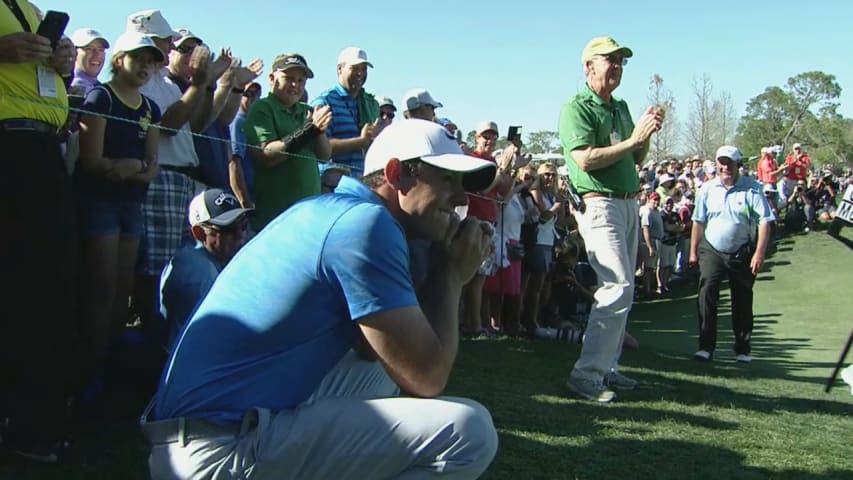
(518, 62)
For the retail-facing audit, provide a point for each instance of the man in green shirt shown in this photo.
(289, 139)
(602, 146)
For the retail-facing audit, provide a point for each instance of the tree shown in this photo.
(812, 90)
(471, 138)
(665, 141)
(699, 136)
(767, 118)
(712, 121)
(545, 141)
(804, 111)
(725, 119)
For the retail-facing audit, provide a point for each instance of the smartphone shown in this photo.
(513, 133)
(53, 26)
(75, 101)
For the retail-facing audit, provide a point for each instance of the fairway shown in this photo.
(767, 419)
(721, 420)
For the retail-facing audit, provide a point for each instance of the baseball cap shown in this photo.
(186, 34)
(434, 145)
(797, 145)
(353, 56)
(486, 126)
(418, 97)
(286, 61)
(385, 101)
(730, 152)
(253, 86)
(654, 195)
(215, 207)
(131, 41)
(666, 178)
(82, 37)
(151, 23)
(603, 46)
(709, 167)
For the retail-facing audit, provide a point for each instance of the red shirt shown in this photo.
(483, 208)
(798, 168)
(766, 167)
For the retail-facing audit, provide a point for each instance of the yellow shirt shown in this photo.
(19, 93)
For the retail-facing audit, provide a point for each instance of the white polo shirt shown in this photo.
(175, 150)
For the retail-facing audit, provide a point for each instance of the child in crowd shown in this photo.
(118, 158)
(573, 294)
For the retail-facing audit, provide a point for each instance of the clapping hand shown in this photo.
(321, 117)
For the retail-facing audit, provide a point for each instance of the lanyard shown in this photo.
(16, 10)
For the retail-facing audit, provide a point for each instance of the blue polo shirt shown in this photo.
(731, 215)
(184, 283)
(284, 310)
(238, 147)
(214, 154)
(345, 123)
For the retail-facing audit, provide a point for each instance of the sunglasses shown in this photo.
(251, 93)
(388, 115)
(615, 59)
(184, 49)
(489, 135)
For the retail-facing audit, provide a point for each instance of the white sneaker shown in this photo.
(590, 389)
(847, 376)
(703, 356)
(743, 358)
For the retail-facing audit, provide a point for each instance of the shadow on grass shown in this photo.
(846, 241)
(637, 459)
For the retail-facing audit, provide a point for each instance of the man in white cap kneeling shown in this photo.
(265, 379)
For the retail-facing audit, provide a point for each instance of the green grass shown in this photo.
(768, 419)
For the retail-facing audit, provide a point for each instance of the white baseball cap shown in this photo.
(666, 178)
(216, 207)
(434, 145)
(186, 34)
(797, 145)
(486, 126)
(385, 101)
(151, 23)
(131, 41)
(82, 37)
(418, 97)
(353, 56)
(730, 152)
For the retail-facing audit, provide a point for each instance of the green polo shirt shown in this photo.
(297, 177)
(586, 120)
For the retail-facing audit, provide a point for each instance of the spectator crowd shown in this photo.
(190, 206)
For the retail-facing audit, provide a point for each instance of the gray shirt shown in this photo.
(652, 219)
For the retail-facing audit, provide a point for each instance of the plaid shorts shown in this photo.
(166, 219)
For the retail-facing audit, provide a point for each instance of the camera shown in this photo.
(799, 189)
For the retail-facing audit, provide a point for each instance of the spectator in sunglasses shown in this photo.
(387, 111)
(219, 226)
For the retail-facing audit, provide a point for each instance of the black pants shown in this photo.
(38, 255)
(714, 267)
